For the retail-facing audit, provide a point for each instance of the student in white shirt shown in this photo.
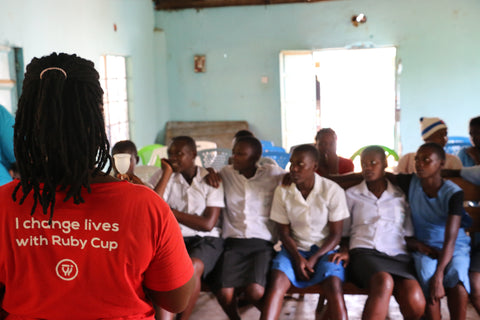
(247, 230)
(246, 133)
(379, 261)
(309, 216)
(197, 206)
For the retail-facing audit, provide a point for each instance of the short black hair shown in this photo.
(189, 142)
(375, 149)
(243, 133)
(254, 143)
(436, 148)
(125, 146)
(324, 131)
(475, 122)
(308, 149)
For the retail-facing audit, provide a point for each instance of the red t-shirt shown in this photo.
(94, 259)
(344, 166)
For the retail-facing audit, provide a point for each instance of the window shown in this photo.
(11, 76)
(113, 78)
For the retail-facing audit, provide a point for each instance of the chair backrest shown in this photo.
(147, 174)
(455, 144)
(157, 155)
(392, 157)
(204, 144)
(145, 153)
(273, 149)
(266, 144)
(215, 158)
(281, 158)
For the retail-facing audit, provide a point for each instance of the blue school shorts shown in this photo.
(323, 268)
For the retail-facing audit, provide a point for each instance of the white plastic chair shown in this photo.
(158, 153)
(215, 158)
(204, 144)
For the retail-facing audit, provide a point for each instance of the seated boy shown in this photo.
(433, 130)
(309, 215)
(247, 133)
(196, 206)
(246, 227)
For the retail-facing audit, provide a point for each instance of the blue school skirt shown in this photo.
(323, 269)
(455, 272)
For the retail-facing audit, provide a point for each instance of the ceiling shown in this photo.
(198, 4)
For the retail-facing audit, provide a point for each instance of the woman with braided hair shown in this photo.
(77, 243)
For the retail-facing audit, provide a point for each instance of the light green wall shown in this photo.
(437, 40)
(86, 27)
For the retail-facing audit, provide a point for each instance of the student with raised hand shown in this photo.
(247, 230)
(376, 252)
(440, 246)
(81, 243)
(126, 146)
(433, 130)
(157, 181)
(329, 162)
(197, 206)
(309, 215)
(470, 156)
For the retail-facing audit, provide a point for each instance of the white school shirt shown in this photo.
(308, 218)
(248, 202)
(193, 199)
(378, 223)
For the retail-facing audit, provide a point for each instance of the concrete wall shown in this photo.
(86, 28)
(437, 42)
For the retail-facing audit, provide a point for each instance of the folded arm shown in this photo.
(204, 222)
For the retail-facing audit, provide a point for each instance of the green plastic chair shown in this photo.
(388, 152)
(145, 153)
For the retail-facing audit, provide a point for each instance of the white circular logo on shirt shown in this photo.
(67, 269)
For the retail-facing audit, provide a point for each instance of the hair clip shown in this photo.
(53, 68)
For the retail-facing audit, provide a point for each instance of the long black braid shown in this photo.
(59, 132)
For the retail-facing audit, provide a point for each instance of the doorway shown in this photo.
(352, 91)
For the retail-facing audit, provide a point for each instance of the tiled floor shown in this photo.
(296, 308)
